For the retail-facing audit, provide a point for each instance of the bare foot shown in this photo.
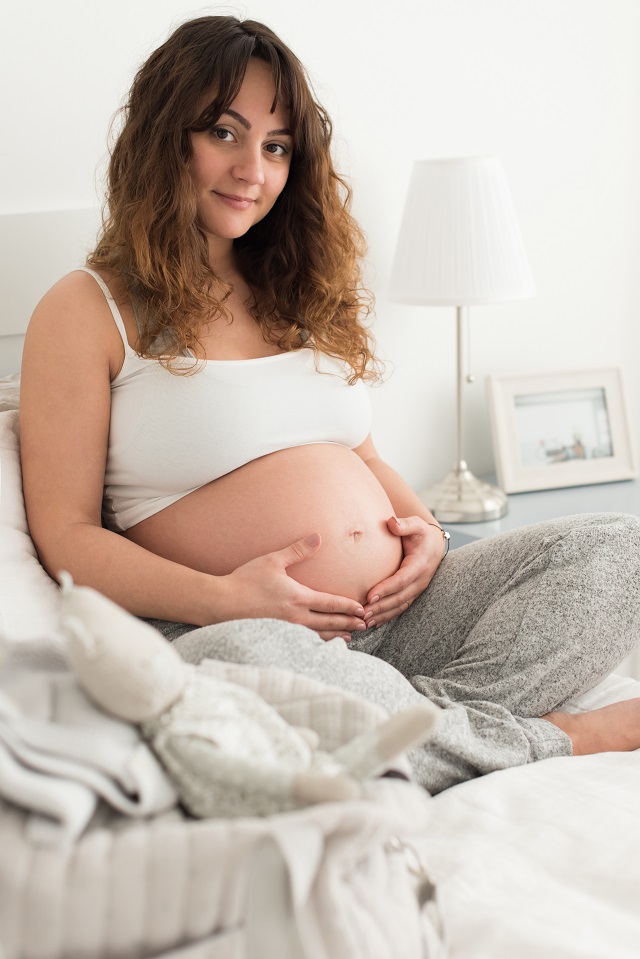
(614, 728)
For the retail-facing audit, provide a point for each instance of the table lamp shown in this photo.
(460, 245)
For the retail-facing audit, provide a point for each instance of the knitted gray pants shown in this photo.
(509, 628)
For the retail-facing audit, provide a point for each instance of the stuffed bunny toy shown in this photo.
(227, 750)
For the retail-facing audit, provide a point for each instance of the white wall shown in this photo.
(551, 86)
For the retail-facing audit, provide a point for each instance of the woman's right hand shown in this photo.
(262, 588)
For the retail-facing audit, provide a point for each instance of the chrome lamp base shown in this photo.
(462, 498)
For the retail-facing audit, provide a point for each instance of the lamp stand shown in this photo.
(460, 497)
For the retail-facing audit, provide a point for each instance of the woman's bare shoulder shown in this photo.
(75, 312)
(75, 290)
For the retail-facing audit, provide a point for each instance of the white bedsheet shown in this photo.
(541, 860)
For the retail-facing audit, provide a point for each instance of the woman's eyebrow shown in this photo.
(245, 123)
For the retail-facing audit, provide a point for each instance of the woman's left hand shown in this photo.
(423, 550)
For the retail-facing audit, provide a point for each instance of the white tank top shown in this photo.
(172, 434)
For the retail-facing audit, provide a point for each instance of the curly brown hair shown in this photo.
(302, 262)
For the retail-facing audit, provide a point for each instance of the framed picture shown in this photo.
(560, 429)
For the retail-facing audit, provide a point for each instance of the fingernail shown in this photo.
(367, 616)
(360, 626)
(359, 611)
(313, 540)
(374, 599)
(371, 624)
(346, 637)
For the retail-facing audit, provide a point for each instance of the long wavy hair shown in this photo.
(302, 261)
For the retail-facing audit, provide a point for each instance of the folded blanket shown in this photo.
(60, 755)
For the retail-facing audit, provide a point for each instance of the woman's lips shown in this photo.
(237, 202)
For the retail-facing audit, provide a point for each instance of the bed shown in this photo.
(539, 860)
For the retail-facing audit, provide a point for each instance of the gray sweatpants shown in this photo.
(509, 628)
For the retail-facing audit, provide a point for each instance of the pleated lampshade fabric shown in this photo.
(459, 241)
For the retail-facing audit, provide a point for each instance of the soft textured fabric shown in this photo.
(228, 750)
(73, 884)
(340, 883)
(171, 434)
(60, 754)
(539, 861)
(9, 392)
(28, 596)
(509, 629)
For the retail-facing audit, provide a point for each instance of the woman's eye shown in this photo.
(220, 133)
(277, 149)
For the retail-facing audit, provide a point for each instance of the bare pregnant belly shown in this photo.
(275, 500)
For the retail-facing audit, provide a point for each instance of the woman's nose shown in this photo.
(250, 166)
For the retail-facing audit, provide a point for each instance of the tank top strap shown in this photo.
(115, 312)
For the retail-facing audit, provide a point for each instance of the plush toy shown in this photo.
(228, 751)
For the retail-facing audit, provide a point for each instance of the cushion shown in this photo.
(29, 598)
(9, 392)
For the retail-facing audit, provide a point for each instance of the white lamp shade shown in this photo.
(459, 241)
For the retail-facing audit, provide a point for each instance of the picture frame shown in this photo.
(557, 429)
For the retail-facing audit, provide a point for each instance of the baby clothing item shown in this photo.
(60, 755)
(172, 433)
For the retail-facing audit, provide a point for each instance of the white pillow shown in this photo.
(29, 598)
(9, 392)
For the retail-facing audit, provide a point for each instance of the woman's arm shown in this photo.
(72, 352)
(422, 541)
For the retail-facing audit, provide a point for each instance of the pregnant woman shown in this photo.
(196, 429)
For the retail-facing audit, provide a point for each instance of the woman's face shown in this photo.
(241, 165)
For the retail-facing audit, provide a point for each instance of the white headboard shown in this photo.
(36, 249)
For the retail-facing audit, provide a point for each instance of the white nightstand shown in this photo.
(526, 508)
